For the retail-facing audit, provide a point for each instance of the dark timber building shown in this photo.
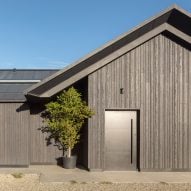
(139, 86)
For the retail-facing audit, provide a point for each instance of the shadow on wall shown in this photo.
(23, 107)
(52, 139)
(38, 115)
(79, 165)
(40, 140)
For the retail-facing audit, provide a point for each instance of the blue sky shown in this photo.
(55, 33)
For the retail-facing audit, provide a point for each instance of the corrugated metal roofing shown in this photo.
(10, 91)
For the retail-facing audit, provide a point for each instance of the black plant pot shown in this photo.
(69, 162)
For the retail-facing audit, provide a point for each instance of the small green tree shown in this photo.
(65, 118)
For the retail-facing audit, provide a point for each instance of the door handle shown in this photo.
(131, 141)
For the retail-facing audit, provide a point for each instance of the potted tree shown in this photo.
(64, 121)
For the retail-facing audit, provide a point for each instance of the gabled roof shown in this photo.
(14, 82)
(174, 21)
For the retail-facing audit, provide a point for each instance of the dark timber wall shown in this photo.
(40, 151)
(21, 141)
(81, 149)
(14, 125)
(156, 77)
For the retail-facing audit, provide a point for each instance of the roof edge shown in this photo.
(174, 6)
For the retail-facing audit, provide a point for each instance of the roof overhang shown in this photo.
(174, 20)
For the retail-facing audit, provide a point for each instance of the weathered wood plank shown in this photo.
(156, 80)
(14, 125)
(40, 151)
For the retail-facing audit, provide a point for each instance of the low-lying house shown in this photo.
(139, 86)
(20, 140)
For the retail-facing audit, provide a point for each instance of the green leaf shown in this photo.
(66, 116)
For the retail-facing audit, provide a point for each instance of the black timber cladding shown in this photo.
(14, 136)
(10, 90)
(156, 78)
(173, 17)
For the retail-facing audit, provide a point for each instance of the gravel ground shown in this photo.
(113, 187)
(30, 182)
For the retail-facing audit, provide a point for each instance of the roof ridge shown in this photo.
(179, 8)
(108, 48)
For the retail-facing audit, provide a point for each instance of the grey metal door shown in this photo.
(120, 140)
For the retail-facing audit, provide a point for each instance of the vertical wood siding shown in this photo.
(21, 141)
(14, 125)
(156, 77)
(40, 151)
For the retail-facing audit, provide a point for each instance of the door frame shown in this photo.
(137, 165)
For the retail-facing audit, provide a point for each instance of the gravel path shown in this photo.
(30, 182)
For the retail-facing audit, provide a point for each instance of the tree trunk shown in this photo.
(69, 152)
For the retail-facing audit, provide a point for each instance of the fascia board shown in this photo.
(105, 61)
(101, 48)
(115, 55)
(79, 75)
